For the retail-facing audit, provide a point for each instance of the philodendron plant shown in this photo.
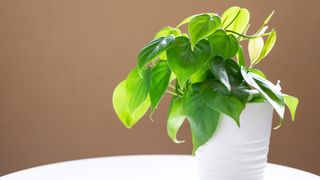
(205, 72)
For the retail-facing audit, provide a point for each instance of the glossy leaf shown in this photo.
(235, 19)
(240, 56)
(268, 45)
(166, 31)
(201, 26)
(203, 119)
(226, 71)
(138, 87)
(120, 99)
(258, 72)
(183, 61)
(267, 89)
(292, 104)
(188, 19)
(223, 45)
(219, 98)
(153, 50)
(160, 80)
(176, 118)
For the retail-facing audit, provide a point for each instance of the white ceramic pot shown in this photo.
(235, 153)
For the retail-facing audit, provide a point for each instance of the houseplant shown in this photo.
(213, 88)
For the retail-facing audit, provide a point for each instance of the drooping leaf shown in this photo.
(121, 97)
(240, 56)
(218, 97)
(160, 80)
(176, 118)
(268, 45)
(292, 104)
(166, 31)
(183, 61)
(267, 89)
(153, 50)
(235, 19)
(223, 45)
(226, 71)
(201, 26)
(138, 87)
(203, 119)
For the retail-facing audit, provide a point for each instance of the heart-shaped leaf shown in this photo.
(226, 71)
(203, 25)
(218, 97)
(153, 50)
(188, 19)
(176, 118)
(235, 19)
(183, 61)
(120, 99)
(223, 45)
(160, 80)
(203, 119)
(138, 87)
(267, 89)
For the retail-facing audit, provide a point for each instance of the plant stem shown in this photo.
(173, 93)
(247, 36)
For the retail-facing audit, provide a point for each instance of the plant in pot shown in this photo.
(227, 103)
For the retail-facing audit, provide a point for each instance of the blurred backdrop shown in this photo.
(61, 59)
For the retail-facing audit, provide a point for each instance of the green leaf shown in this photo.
(268, 45)
(201, 26)
(240, 56)
(223, 45)
(292, 104)
(183, 61)
(153, 50)
(160, 80)
(203, 120)
(188, 19)
(267, 89)
(176, 118)
(138, 87)
(166, 31)
(226, 71)
(235, 19)
(121, 97)
(258, 72)
(255, 47)
(219, 98)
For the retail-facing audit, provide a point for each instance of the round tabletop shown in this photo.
(138, 167)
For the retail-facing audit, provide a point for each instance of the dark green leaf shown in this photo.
(153, 50)
(160, 80)
(267, 89)
(203, 120)
(176, 118)
(223, 45)
(183, 61)
(121, 97)
(201, 26)
(292, 104)
(219, 98)
(240, 56)
(138, 87)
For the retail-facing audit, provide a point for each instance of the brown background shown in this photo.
(61, 59)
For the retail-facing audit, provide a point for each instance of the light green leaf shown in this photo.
(235, 19)
(153, 50)
(255, 47)
(176, 118)
(166, 31)
(120, 99)
(223, 45)
(183, 61)
(272, 38)
(292, 104)
(203, 120)
(258, 72)
(188, 19)
(160, 80)
(219, 98)
(240, 56)
(138, 87)
(201, 26)
(267, 89)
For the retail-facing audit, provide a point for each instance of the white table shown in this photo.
(140, 167)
